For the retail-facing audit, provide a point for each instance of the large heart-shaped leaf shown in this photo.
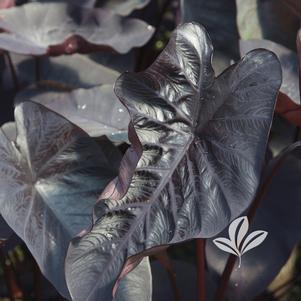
(279, 214)
(200, 143)
(60, 28)
(97, 110)
(50, 177)
(288, 60)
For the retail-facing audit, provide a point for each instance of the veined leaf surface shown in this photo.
(51, 173)
(199, 143)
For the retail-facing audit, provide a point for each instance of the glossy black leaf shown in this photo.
(50, 177)
(279, 214)
(288, 60)
(60, 28)
(97, 110)
(200, 143)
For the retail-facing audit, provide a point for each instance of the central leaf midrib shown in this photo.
(144, 212)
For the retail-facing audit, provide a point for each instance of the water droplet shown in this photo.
(82, 107)
(113, 246)
(120, 110)
(149, 27)
(70, 48)
(108, 236)
(236, 284)
(113, 134)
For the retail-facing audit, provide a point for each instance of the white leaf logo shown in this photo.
(238, 243)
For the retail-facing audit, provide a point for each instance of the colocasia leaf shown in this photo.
(61, 28)
(200, 144)
(50, 176)
(97, 110)
(288, 60)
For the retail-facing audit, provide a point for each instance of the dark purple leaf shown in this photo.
(279, 214)
(50, 177)
(288, 60)
(97, 110)
(59, 28)
(200, 142)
